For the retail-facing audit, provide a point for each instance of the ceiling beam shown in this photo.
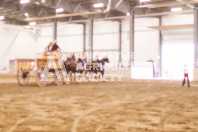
(167, 4)
(188, 5)
(121, 5)
(61, 16)
(173, 27)
(72, 7)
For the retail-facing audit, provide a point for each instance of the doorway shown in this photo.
(174, 57)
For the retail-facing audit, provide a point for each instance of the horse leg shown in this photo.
(88, 76)
(77, 77)
(70, 75)
(67, 80)
(100, 78)
(102, 75)
(83, 76)
(94, 77)
(73, 76)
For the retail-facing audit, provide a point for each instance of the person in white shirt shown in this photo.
(48, 48)
(186, 76)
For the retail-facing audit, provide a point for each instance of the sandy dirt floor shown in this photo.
(126, 106)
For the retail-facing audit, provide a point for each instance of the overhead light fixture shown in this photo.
(176, 9)
(145, 0)
(59, 10)
(128, 14)
(2, 17)
(37, 3)
(43, 1)
(26, 14)
(98, 5)
(27, 27)
(32, 23)
(24, 1)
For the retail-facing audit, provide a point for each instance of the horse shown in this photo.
(80, 69)
(102, 64)
(96, 67)
(70, 68)
(75, 68)
(80, 65)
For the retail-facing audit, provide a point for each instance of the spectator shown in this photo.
(186, 76)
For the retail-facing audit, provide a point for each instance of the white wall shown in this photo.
(180, 42)
(146, 39)
(106, 35)
(70, 37)
(44, 37)
(178, 19)
(16, 43)
(179, 36)
(105, 38)
(22, 44)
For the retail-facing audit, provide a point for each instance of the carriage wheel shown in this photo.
(41, 78)
(23, 77)
(59, 79)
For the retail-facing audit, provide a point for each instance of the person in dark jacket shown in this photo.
(55, 47)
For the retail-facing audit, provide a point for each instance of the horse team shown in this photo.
(81, 70)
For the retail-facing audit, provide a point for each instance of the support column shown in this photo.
(131, 36)
(55, 30)
(84, 37)
(91, 38)
(120, 41)
(160, 49)
(196, 42)
(18, 7)
(55, 22)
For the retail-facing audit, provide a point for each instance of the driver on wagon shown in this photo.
(48, 48)
(55, 47)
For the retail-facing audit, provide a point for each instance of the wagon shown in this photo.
(51, 62)
(24, 66)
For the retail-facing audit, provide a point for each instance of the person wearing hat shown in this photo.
(48, 48)
(55, 47)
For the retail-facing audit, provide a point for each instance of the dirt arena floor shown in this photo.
(126, 106)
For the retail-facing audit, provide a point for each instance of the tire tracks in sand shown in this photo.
(75, 124)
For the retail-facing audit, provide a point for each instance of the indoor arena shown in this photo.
(98, 65)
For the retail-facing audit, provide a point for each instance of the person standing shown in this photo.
(186, 76)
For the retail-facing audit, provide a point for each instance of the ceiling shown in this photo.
(14, 12)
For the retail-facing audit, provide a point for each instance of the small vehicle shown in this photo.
(51, 62)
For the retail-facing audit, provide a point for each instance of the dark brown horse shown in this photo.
(73, 67)
(102, 64)
(96, 67)
(70, 67)
(80, 65)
